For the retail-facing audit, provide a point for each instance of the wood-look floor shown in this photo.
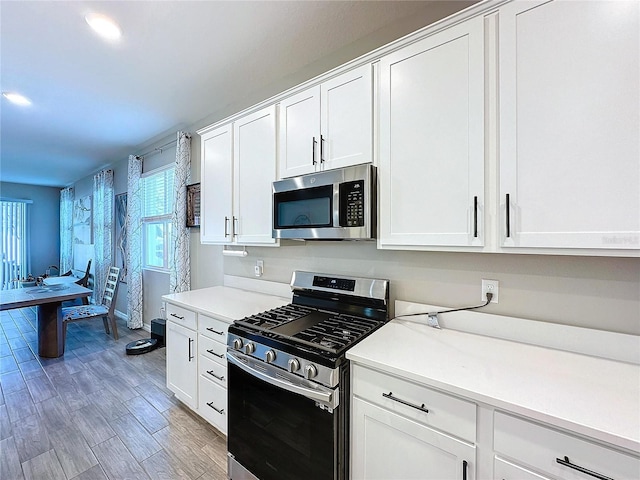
(95, 413)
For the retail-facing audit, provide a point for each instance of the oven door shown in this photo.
(276, 429)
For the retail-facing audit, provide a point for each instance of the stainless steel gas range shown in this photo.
(288, 379)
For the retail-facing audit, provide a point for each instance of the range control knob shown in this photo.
(310, 371)
(294, 365)
(249, 348)
(237, 344)
(270, 356)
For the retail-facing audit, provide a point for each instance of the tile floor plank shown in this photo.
(40, 388)
(72, 450)
(19, 405)
(93, 425)
(31, 437)
(135, 437)
(6, 430)
(162, 466)
(10, 467)
(117, 462)
(148, 416)
(94, 473)
(12, 382)
(53, 413)
(160, 400)
(44, 466)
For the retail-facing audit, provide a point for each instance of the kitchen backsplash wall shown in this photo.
(592, 292)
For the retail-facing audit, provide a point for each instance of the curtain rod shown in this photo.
(157, 149)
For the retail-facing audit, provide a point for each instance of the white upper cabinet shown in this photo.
(328, 126)
(570, 126)
(254, 162)
(431, 166)
(216, 185)
(238, 168)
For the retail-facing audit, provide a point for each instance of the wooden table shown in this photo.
(49, 300)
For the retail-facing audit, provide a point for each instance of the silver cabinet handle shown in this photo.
(190, 355)
(586, 471)
(214, 331)
(234, 230)
(214, 353)
(176, 316)
(226, 226)
(404, 402)
(321, 149)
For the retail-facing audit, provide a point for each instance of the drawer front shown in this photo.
(449, 414)
(213, 350)
(213, 404)
(504, 470)
(213, 328)
(539, 447)
(181, 316)
(214, 371)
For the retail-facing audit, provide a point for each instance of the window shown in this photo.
(14, 242)
(157, 207)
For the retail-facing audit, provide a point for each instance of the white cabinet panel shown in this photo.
(387, 446)
(570, 124)
(432, 140)
(215, 185)
(254, 171)
(182, 368)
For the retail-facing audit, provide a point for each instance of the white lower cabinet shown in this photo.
(404, 430)
(559, 454)
(504, 470)
(197, 364)
(182, 367)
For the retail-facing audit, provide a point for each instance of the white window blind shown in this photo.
(14, 242)
(157, 208)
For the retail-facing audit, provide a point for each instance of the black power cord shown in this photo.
(433, 316)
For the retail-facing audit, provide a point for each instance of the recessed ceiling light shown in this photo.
(17, 98)
(104, 26)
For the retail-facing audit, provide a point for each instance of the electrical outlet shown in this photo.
(258, 269)
(490, 286)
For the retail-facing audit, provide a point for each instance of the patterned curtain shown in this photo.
(179, 267)
(134, 237)
(66, 229)
(102, 230)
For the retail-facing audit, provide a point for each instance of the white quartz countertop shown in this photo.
(596, 397)
(226, 303)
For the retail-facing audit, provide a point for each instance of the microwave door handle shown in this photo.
(326, 398)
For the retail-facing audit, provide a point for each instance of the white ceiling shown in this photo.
(177, 64)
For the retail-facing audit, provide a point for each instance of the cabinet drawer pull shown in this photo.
(226, 226)
(215, 354)
(475, 217)
(404, 402)
(234, 224)
(214, 331)
(176, 316)
(567, 463)
(190, 355)
(464, 469)
(508, 214)
(221, 411)
(210, 372)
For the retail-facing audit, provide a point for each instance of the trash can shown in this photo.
(158, 327)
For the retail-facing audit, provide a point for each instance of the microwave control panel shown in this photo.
(352, 204)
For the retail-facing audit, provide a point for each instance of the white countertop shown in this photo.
(596, 397)
(226, 303)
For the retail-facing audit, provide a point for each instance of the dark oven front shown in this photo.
(279, 435)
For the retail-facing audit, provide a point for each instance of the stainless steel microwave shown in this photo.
(331, 205)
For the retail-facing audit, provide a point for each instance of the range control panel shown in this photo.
(334, 283)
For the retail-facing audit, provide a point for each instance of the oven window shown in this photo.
(309, 207)
(276, 434)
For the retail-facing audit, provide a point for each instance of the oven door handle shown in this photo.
(328, 399)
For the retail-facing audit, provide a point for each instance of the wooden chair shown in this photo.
(105, 310)
(84, 282)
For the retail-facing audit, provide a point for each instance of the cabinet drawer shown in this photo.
(181, 316)
(213, 328)
(539, 447)
(503, 470)
(449, 414)
(214, 371)
(213, 350)
(213, 404)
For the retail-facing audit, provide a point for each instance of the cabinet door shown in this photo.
(216, 183)
(347, 119)
(299, 133)
(182, 368)
(570, 124)
(432, 140)
(254, 171)
(387, 446)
